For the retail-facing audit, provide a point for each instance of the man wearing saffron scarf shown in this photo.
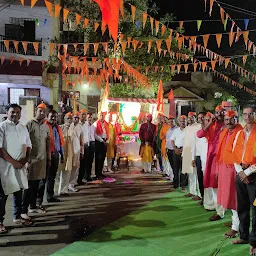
(211, 131)
(147, 135)
(40, 154)
(187, 157)
(56, 148)
(101, 144)
(245, 165)
(226, 171)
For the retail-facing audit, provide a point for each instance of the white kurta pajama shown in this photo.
(187, 157)
(14, 139)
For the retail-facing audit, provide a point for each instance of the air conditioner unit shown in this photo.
(23, 100)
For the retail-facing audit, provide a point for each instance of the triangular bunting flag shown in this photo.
(222, 15)
(105, 47)
(180, 42)
(11, 60)
(36, 46)
(144, 19)
(186, 68)
(180, 24)
(133, 10)
(123, 44)
(195, 66)
(96, 25)
(152, 24)
(163, 29)
(25, 46)
(57, 10)
(149, 45)
(2, 60)
(213, 63)
(211, 5)
(199, 23)
(231, 38)
(244, 59)
(6, 44)
(158, 45)
(28, 61)
(246, 23)
(204, 65)
(16, 46)
(49, 6)
(78, 18)
(246, 36)
(21, 60)
(218, 39)
(157, 26)
(65, 14)
(95, 47)
(168, 44)
(178, 68)
(205, 39)
(33, 2)
(227, 60)
(225, 22)
(135, 44)
(86, 22)
(51, 47)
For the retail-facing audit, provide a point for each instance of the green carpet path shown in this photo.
(172, 225)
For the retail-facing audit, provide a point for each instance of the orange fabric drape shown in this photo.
(99, 129)
(52, 145)
(163, 133)
(249, 157)
(224, 153)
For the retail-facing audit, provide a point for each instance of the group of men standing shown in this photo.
(214, 157)
(34, 156)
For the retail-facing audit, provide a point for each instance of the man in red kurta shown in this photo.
(226, 171)
(147, 135)
(211, 131)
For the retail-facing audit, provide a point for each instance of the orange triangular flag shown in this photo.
(33, 2)
(28, 61)
(135, 44)
(2, 60)
(186, 68)
(21, 60)
(218, 39)
(213, 62)
(11, 60)
(157, 26)
(133, 9)
(211, 4)
(78, 18)
(57, 10)
(22, 2)
(105, 47)
(250, 43)
(246, 36)
(6, 44)
(163, 29)
(65, 14)
(231, 38)
(16, 46)
(152, 24)
(168, 44)
(238, 33)
(158, 45)
(25, 46)
(205, 39)
(144, 19)
(123, 44)
(149, 45)
(96, 25)
(75, 46)
(180, 24)
(49, 6)
(129, 39)
(178, 68)
(122, 7)
(36, 46)
(103, 29)
(227, 60)
(204, 65)
(95, 46)
(195, 66)
(222, 15)
(86, 22)
(51, 47)
(244, 59)
(180, 42)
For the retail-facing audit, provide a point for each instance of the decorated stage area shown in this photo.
(169, 224)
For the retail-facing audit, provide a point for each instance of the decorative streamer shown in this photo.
(144, 19)
(49, 7)
(65, 14)
(218, 39)
(33, 2)
(57, 10)
(133, 10)
(199, 23)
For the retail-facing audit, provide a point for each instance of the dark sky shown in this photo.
(194, 10)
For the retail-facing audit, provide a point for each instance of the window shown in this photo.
(14, 95)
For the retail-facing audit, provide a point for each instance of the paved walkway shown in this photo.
(96, 205)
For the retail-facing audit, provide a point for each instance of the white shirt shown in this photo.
(178, 137)
(252, 169)
(88, 132)
(168, 138)
(199, 145)
(14, 139)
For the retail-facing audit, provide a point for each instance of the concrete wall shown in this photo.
(19, 11)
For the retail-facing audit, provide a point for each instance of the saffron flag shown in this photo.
(172, 107)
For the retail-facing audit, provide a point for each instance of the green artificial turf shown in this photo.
(173, 225)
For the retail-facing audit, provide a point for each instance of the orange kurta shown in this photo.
(163, 133)
(112, 141)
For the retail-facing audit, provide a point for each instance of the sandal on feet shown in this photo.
(215, 217)
(231, 234)
(23, 222)
(197, 198)
(189, 195)
(239, 241)
(3, 230)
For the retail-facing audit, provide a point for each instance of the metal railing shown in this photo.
(30, 48)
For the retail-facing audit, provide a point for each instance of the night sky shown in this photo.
(194, 10)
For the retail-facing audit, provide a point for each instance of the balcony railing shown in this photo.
(30, 48)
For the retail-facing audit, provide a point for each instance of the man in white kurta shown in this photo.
(187, 156)
(15, 147)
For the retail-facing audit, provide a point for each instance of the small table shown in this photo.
(125, 158)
